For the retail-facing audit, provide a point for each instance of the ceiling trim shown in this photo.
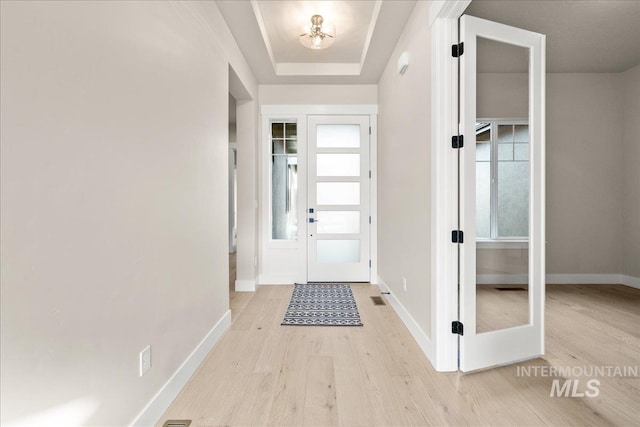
(372, 27)
(318, 69)
(347, 109)
(263, 31)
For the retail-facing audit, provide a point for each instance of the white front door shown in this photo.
(338, 199)
(501, 196)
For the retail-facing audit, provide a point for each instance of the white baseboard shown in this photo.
(634, 282)
(584, 279)
(561, 279)
(502, 279)
(151, 413)
(279, 279)
(416, 331)
(245, 285)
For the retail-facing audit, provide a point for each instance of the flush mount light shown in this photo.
(315, 36)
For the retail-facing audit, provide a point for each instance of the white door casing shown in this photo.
(514, 344)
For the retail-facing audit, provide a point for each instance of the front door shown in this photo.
(501, 194)
(338, 199)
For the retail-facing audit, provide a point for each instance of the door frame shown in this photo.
(443, 20)
(269, 246)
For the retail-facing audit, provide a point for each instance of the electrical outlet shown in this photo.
(404, 284)
(145, 360)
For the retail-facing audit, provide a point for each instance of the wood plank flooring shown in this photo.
(261, 373)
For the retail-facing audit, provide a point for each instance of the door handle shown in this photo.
(312, 220)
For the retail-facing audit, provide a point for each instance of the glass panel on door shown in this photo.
(338, 136)
(338, 193)
(338, 222)
(502, 188)
(338, 251)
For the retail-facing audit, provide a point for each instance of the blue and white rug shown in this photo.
(322, 304)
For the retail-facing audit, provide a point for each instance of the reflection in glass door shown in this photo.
(338, 199)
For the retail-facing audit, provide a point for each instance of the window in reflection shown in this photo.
(502, 180)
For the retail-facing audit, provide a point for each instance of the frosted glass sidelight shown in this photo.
(338, 193)
(338, 136)
(338, 251)
(338, 222)
(338, 164)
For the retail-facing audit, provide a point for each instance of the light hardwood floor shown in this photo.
(261, 373)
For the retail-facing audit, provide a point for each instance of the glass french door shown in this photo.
(338, 199)
(502, 268)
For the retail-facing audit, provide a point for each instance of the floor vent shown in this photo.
(378, 301)
(177, 423)
(511, 289)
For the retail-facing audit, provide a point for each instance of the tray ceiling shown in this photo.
(267, 33)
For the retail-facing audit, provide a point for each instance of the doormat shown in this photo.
(322, 304)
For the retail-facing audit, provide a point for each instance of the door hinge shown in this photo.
(369, 130)
(457, 236)
(457, 49)
(457, 327)
(457, 141)
(369, 174)
(369, 219)
(369, 263)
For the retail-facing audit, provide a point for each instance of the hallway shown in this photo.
(262, 373)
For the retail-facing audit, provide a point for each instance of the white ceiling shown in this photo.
(582, 36)
(366, 34)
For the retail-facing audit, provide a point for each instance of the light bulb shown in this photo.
(316, 41)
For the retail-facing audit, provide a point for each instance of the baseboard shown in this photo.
(583, 279)
(416, 331)
(245, 285)
(502, 279)
(561, 279)
(634, 282)
(279, 279)
(151, 413)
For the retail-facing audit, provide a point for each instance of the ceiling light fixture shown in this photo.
(315, 36)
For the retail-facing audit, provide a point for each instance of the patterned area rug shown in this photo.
(321, 304)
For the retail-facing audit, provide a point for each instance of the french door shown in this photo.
(501, 195)
(338, 199)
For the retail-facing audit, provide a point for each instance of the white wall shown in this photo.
(317, 94)
(631, 172)
(404, 171)
(583, 173)
(113, 215)
(584, 204)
